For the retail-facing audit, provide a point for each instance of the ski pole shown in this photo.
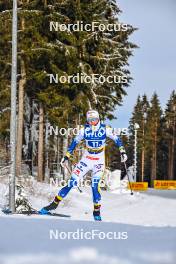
(70, 174)
(128, 178)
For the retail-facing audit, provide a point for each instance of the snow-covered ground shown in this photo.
(151, 208)
(148, 221)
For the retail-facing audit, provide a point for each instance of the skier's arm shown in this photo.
(75, 142)
(110, 134)
(72, 146)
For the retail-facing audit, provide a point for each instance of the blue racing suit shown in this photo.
(93, 158)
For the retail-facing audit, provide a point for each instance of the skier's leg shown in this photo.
(79, 171)
(96, 191)
(52, 206)
(58, 198)
(62, 193)
(71, 183)
(96, 177)
(96, 198)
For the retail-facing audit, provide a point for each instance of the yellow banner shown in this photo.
(138, 186)
(165, 185)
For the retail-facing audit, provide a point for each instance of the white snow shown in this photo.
(151, 208)
(76, 255)
(148, 218)
(86, 255)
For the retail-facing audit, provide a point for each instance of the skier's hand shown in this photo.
(123, 157)
(62, 163)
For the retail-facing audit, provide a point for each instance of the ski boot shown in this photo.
(96, 212)
(52, 206)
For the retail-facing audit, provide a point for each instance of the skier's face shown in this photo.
(93, 121)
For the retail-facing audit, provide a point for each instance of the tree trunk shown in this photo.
(45, 3)
(154, 156)
(143, 161)
(171, 155)
(22, 83)
(57, 154)
(89, 104)
(40, 176)
(65, 146)
(169, 159)
(143, 154)
(47, 171)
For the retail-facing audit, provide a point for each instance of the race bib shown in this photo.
(95, 144)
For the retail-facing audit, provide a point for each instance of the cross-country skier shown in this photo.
(94, 133)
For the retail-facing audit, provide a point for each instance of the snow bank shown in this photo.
(152, 208)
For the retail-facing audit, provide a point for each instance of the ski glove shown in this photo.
(123, 157)
(63, 160)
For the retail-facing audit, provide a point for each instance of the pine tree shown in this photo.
(40, 176)
(145, 106)
(170, 135)
(89, 53)
(41, 52)
(136, 117)
(35, 54)
(5, 75)
(139, 116)
(153, 135)
(162, 153)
